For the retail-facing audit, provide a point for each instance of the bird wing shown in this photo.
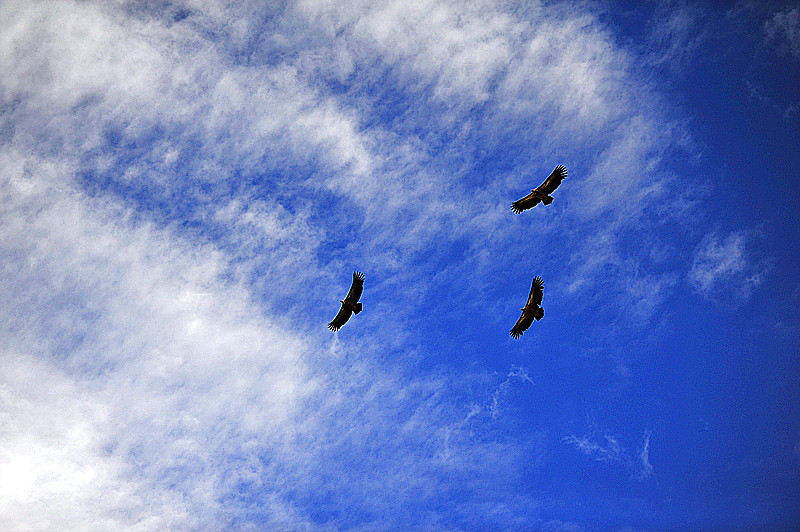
(356, 288)
(525, 203)
(522, 325)
(537, 293)
(341, 318)
(553, 180)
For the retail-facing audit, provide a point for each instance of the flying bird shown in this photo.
(542, 192)
(350, 304)
(532, 309)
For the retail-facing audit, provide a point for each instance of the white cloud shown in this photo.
(725, 266)
(53, 468)
(154, 375)
(155, 379)
(516, 374)
(607, 449)
(603, 446)
(82, 72)
(460, 47)
(135, 77)
(626, 178)
(787, 112)
(783, 30)
(676, 33)
(160, 361)
(645, 467)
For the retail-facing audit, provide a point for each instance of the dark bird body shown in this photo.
(350, 304)
(542, 192)
(532, 309)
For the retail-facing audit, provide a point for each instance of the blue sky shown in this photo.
(187, 186)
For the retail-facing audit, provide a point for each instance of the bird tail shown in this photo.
(547, 200)
(358, 308)
(539, 313)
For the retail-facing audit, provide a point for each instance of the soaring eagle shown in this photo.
(532, 309)
(350, 304)
(542, 192)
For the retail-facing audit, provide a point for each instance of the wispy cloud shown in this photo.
(604, 446)
(607, 449)
(787, 112)
(166, 357)
(516, 374)
(182, 187)
(677, 31)
(155, 377)
(645, 468)
(783, 31)
(725, 266)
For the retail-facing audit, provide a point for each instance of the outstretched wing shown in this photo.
(341, 318)
(525, 203)
(537, 293)
(553, 180)
(355, 289)
(522, 325)
(550, 184)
